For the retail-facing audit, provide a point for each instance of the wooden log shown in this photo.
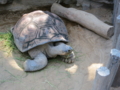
(115, 11)
(113, 65)
(116, 25)
(100, 79)
(116, 81)
(85, 19)
(105, 75)
(116, 42)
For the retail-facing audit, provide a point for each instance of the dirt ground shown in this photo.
(91, 50)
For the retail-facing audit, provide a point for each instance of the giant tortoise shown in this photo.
(43, 35)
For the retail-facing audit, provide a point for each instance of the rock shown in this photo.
(104, 1)
(86, 5)
(3, 1)
(9, 1)
(96, 4)
(79, 2)
(68, 1)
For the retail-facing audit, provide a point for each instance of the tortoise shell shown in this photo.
(38, 28)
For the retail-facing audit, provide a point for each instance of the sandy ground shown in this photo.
(91, 50)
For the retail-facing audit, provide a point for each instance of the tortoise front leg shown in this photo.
(69, 58)
(62, 49)
(38, 63)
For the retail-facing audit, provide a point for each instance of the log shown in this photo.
(116, 23)
(100, 81)
(116, 10)
(85, 19)
(116, 81)
(105, 75)
(116, 42)
(113, 65)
